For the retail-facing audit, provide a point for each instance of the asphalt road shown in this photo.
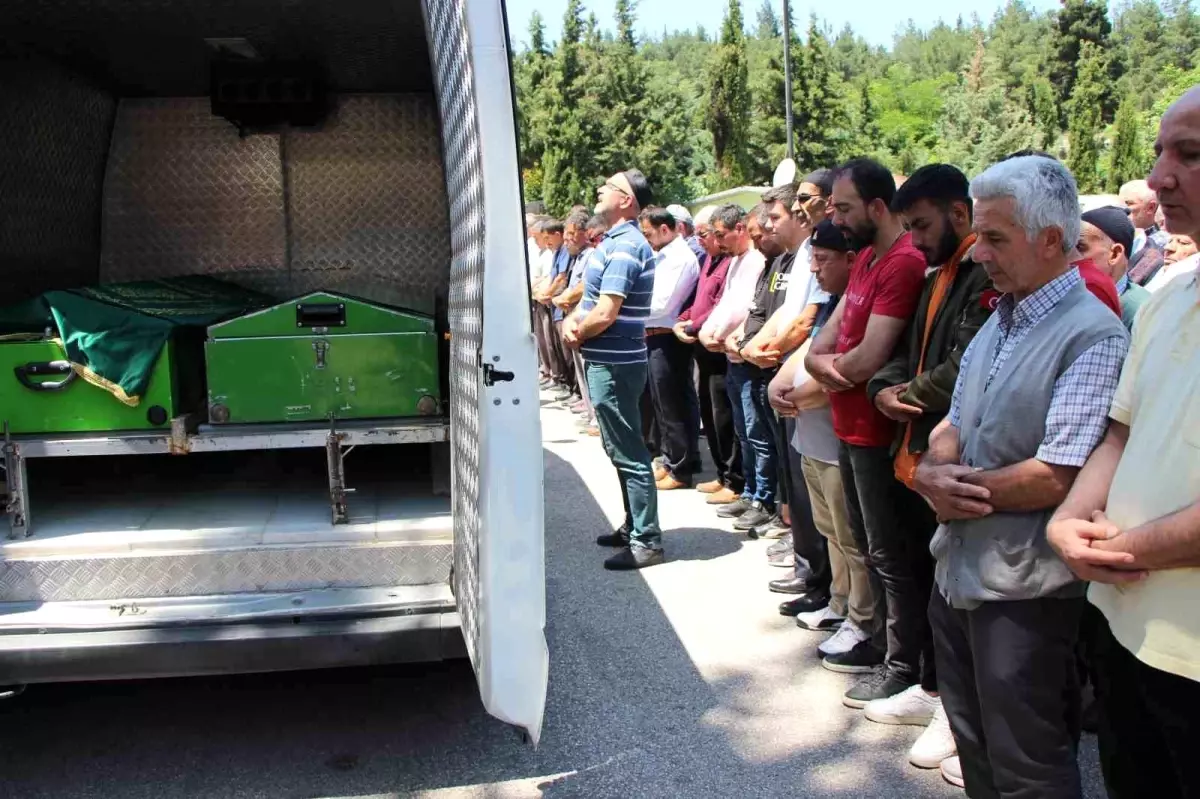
(681, 681)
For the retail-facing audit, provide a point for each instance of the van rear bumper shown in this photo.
(174, 637)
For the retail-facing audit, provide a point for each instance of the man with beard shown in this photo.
(888, 520)
(914, 390)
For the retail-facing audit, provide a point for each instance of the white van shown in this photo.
(201, 548)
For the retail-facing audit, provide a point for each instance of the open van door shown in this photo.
(499, 578)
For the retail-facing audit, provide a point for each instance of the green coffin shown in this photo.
(40, 393)
(320, 357)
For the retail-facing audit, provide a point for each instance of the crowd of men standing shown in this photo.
(987, 490)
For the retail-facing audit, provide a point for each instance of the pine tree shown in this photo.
(768, 23)
(728, 114)
(1128, 159)
(1081, 21)
(1084, 109)
(816, 103)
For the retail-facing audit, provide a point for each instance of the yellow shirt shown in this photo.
(1158, 619)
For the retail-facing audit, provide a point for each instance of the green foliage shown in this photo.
(728, 113)
(699, 113)
(1083, 111)
(1128, 154)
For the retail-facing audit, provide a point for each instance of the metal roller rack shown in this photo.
(338, 440)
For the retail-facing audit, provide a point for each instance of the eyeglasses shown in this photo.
(614, 187)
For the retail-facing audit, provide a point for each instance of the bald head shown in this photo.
(1176, 176)
(1141, 202)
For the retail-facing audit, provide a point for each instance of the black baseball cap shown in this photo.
(1114, 223)
(829, 236)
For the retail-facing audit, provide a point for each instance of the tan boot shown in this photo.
(711, 487)
(669, 483)
(722, 497)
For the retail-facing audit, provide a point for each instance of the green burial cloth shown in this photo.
(114, 334)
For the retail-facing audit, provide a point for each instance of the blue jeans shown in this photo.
(754, 434)
(616, 391)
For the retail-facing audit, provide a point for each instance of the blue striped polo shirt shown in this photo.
(621, 265)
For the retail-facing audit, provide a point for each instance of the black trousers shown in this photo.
(717, 415)
(892, 527)
(672, 399)
(812, 552)
(1149, 738)
(782, 440)
(1007, 675)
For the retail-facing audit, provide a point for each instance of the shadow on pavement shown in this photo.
(628, 715)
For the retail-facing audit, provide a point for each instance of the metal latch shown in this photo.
(492, 375)
(320, 347)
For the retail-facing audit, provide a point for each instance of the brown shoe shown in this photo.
(593, 431)
(711, 487)
(669, 483)
(722, 497)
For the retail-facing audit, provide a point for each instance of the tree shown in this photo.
(728, 113)
(1084, 110)
(1128, 160)
(768, 23)
(1078, 21)
(817, 102)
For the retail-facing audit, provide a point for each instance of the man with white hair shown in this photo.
(685, 226)
(1142, 203)
(1029, 406)
(1131, 524)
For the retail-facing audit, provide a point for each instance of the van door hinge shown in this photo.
(492, 375)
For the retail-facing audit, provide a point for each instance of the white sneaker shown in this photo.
(846, 638)
(951, 769)
(823, 620)
(935, 744)
(910, 706)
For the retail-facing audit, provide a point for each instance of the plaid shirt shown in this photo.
(1078, 415)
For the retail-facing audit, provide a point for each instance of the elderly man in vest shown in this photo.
(1029, 406)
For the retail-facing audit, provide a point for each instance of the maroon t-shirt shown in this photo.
(892, 287)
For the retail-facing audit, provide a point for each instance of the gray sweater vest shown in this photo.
(1005, 556)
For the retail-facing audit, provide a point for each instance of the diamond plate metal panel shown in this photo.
(460, 135)
(367, 202)
(185, 195)
(156, 47)
(54, 135)
(224, 572)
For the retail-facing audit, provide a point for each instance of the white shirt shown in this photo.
(802, 288)
(735, 303)
(1168, 272)
(532, 248)
(675, 276)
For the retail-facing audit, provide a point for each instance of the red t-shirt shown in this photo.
(1100, 284)
(892, 287)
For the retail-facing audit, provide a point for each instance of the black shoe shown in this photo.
(756, 514)
(789, 585)
(813, 600)
(617, 538)
(734, 509)
(864, 658)
(879, 685)
(779, 547)
(634, 558)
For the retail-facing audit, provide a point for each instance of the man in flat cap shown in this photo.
(1106, 236)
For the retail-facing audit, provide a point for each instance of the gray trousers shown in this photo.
(1010, 686)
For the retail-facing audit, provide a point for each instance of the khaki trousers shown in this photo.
(851, 590)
